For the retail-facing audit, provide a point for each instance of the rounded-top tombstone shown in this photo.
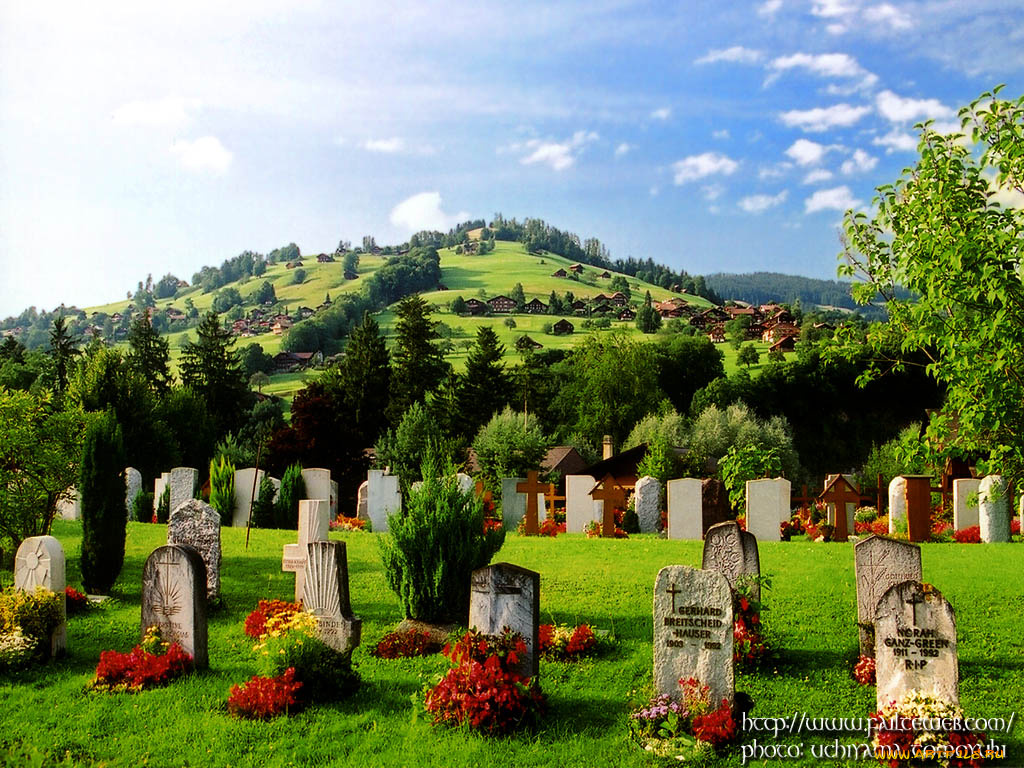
(174, 599)
(39, 562)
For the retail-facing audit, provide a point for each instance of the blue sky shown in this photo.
(710, 136)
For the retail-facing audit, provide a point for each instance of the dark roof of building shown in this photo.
(620, 465)
(564, 459)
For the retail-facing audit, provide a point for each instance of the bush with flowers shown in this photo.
(151, 663)
(483, 691)
(75, 601)
(345, 523)
(270, 615)
(942, 532)
(559, 642)
(27, 622)
(792, 527)
(903, 725)
(404, 644)
(688, 728)
(970, 535)
(864, 670)
(264, 697)
(593, 528)
(549, 526)
(747, 630)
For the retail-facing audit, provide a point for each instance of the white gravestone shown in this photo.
(174, 599)
(994, 509)
(361, 500)
(69, 505)
(465, 482)
(196, 524)
(732, 552)
(767, 507)
(915, 644)
(880, 563)
(159, 486)
(314, 520)
(693, 627)
(325, 595)
(132, 487)
(580, 507)
(513, 504)
(383, 498)
(40, 563)
(685, 509)
(965, 514)
(183, 484)
(505, 595)
(318, 484)
(647, 504)
(897, 502)
(247, 491)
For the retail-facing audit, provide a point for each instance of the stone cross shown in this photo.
(839, 493)
(313, 524)
(531, 488)
(693, 627)
(174, 599)
(732, 552)
(40, 563)
(325, 595)
(613, 497)
(915, 644)
(196, 524)
(505, 595)
(880, 563)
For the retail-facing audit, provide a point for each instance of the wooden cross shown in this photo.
(839, 492)
(612, 496)
(531, 488)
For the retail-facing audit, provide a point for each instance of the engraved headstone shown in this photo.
(132, 486)
(685, 509)
(505, 595)
(897, 502)
(361, 498)
(314, 521)
(159, 486)
(383, 497)
(693, 631)
(880, 563)
(767, 507)
(247, 490)
(915, 644)
(196, 524)
(183, 484)
(580, 507)
(965, 513)
(69, 505)
(513, 503)
(325, 594)
(647, 504)
(39, 562)
(174, 599)
(732, 552)
(994, 509)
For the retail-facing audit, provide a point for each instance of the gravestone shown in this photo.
(69, 505)
(693, 632)
(732, 552)
(897, 502)
(318, 486)
(919, 507)
(685, 509)
(40, 563)
(767, 507)
(196, 524)
(247, 491)
(994, 509)
(612, 497)
(383, 497)
(325, 594)
(647, 504)
(132, 487)
(965, 514)
(174, 599)
(531, 490)
(513, 503)
(580, 507)
(841, 496)
(159, 486)
(505, 595)
(183, 482)
(715, 502)
(361, 496)
(880, 563)
(465, 482)
(314, 521)
(915, 644)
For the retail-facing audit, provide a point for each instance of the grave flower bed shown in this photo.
(343, 523)
(689, 729)
(271, 616)
(482, 691)
(264, 697)
(747, 631)
(27, 621)
(864, 670)
(898, 726)
(76, 602)
(151, 663)
(405, 644)
(561, 643)
(593, 528)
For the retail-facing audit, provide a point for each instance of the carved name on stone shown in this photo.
(880, 563)
(326, 595)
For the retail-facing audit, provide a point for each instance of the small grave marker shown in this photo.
(313, 525)
(614, 498)
(994, 509)
(647, 504)
(325, 594)
(505, 595)
(174, 599)
(196, 524)
(732, 552)
(880, 563)
(531, 488)
(39, 562)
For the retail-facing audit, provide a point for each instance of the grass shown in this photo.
(50, 715)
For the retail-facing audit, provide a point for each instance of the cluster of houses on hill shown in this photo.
(770, 323)
(260, 321)
(612, 305)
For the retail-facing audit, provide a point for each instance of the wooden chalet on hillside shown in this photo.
(475, 307)
(563, 326)
(501, 305)
(535, 307)
(560, 273)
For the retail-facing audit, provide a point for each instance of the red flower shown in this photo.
(265, 697)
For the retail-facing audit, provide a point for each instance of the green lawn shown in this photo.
(49, 713)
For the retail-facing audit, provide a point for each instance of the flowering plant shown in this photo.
(34, 615)
(687, 728)
(897, 742)
(878, 526)
(402, 644)
(16, 649)
(562, 643)
(264, 697)
(76, 601)
(151, 663)
(483, 690)
(942, 531)
(864, 670)
(271, 616)
(971, 535)
(747, 631)
(345, 523)
(791, 528)
(593, 528)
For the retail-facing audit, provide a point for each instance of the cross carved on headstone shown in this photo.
(613, 496)
(674, 591)
(916, 600)
(531, 488)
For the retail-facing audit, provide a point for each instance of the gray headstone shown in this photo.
(685, 509)
(580, 507)
(465, 482)
(383, 497)
(767, 507)
(183, 484)
(647, 504)
(732, 552)
(132, 486)
(196, 524)
(174, 599)
(505, 595)
(247, 491)
(994, 509)
(693, 631)
(39, 562)
(513, 503)
(69, 505)
(325, 595)
(314, 521)
(880, 563)
(897, 502)
(965, 514)
(915, 644)
(361, 500)
(318, 484)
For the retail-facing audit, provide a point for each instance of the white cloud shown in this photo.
(760, 203)
(776, 171)
(769, 8)
(736, 55)
(896, 141)
(836, 29)
(805, 152)
(699, 166)
(558, 155)
(713, 191)
(663, 113)
(833, 65)
(390, 146)
(817, 176)
(836, 199)
(896, 109)
(831, 9)
(859, 162)
(424, 212)
(822, 118)
(623, 149)
(888, 16)
(722, 134)
(169, 112)
(204, 155)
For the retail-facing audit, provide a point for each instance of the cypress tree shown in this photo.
(149, 354)
(417, 364)
(211, 367)
(484, 387)
(101, 483)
